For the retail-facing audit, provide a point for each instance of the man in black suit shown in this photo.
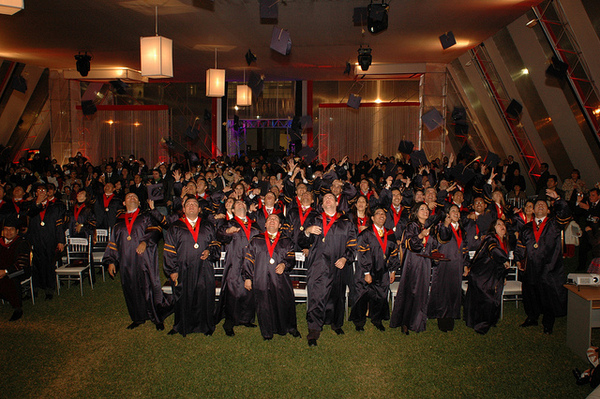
(588, 212)
(110, 176)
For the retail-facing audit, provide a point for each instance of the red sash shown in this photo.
(271, 247)
(327, 225)
(383, 242)
(129, 219)
(242, 224)
(195, 230)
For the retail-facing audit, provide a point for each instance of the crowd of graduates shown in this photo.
(420, 226)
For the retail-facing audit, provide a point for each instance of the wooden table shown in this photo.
(583, 315)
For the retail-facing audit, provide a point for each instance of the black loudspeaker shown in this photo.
(514, 109)
(447, 40)
(354, 101)
(557, 68)
(88, 107)
(377, 20)
(19, 84)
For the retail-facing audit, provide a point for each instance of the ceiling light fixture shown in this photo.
(156, 53)
(364, 57)
(11, 7)
(83, 63)
(377, 18)
(215, 81)
(244, 94)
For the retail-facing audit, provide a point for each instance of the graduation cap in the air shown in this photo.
(308, 154)
(491, 159)
(461, 174)
(155, 192)
(466, 152)
(406, 147)
(281, 41)
(418, 158)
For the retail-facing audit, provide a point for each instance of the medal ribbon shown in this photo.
(385, 237)
(271, 247)
(457, 235)
(194, 231)
(304, 215)
(129, 219)
(327, 225)
(502, 244)
(361, 221)
(499, 211)
(243, 225)
(77, 210)
(396, 215)
(107, 200)
(476, 230)
(16, 206)
(537, 231)
(43, 213)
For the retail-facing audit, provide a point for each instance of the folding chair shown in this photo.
(98, 249)
(298, 276)
(513, 288)
(78, 263)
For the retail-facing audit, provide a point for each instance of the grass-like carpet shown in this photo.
(77, 346)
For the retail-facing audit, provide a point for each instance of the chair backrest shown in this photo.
(219, 266)
(77, 249)
(101, 236)
(298, 273)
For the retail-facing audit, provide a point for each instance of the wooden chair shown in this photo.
(78, 263)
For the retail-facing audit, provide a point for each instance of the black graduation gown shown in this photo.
(107, 219)
(86, 217)
(446, 284)
(397, 226)
(236, 303)
(544, 276)
(486, 282)
(273, 293)
(195, 293)
(477, 228)
(293, 218)
(44, 240)
(410, 306)
(140, 274)
(325, 282)
(372, 259)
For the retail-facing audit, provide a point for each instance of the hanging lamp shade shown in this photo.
(10, 7)
(156, 57)
(215, 82)
(244, 96)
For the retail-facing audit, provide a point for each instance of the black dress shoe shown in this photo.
(379, 326)
(547, 330)
(312, 342)
(251, 325)
(208, 333)
(229, 332)
(160, 327)
(405, 330)
(529, 323)
(296, 334)
(267, 338)
(172, 332)
(360, 328)
(339, 331)
(16, 315)
(135, 324)
(581, 378)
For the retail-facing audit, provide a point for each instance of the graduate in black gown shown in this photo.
(133, 249)
(81, 220)
(269, 259)
(486, 279)
(236, 304)
(543, 273)
(190, 248)
(418, 241)
(47, 236)
(331, 239)
(299, 215)
(376, 270)
(446, 284)
(14, 252)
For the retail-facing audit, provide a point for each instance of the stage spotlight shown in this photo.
(377, 18)
(83, 63)
(364, 57)
(250, 57)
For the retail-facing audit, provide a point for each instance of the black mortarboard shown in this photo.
(432, 119)
(354, 101)
(155, 192)
(269, 9)
(418, 158)
(466, 152)
(491, 159)
(281, 41)
(461, 174)
(308, 154)
(406, 147)
(12, 221)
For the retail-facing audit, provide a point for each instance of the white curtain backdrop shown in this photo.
(371, 130)
(123, 130)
